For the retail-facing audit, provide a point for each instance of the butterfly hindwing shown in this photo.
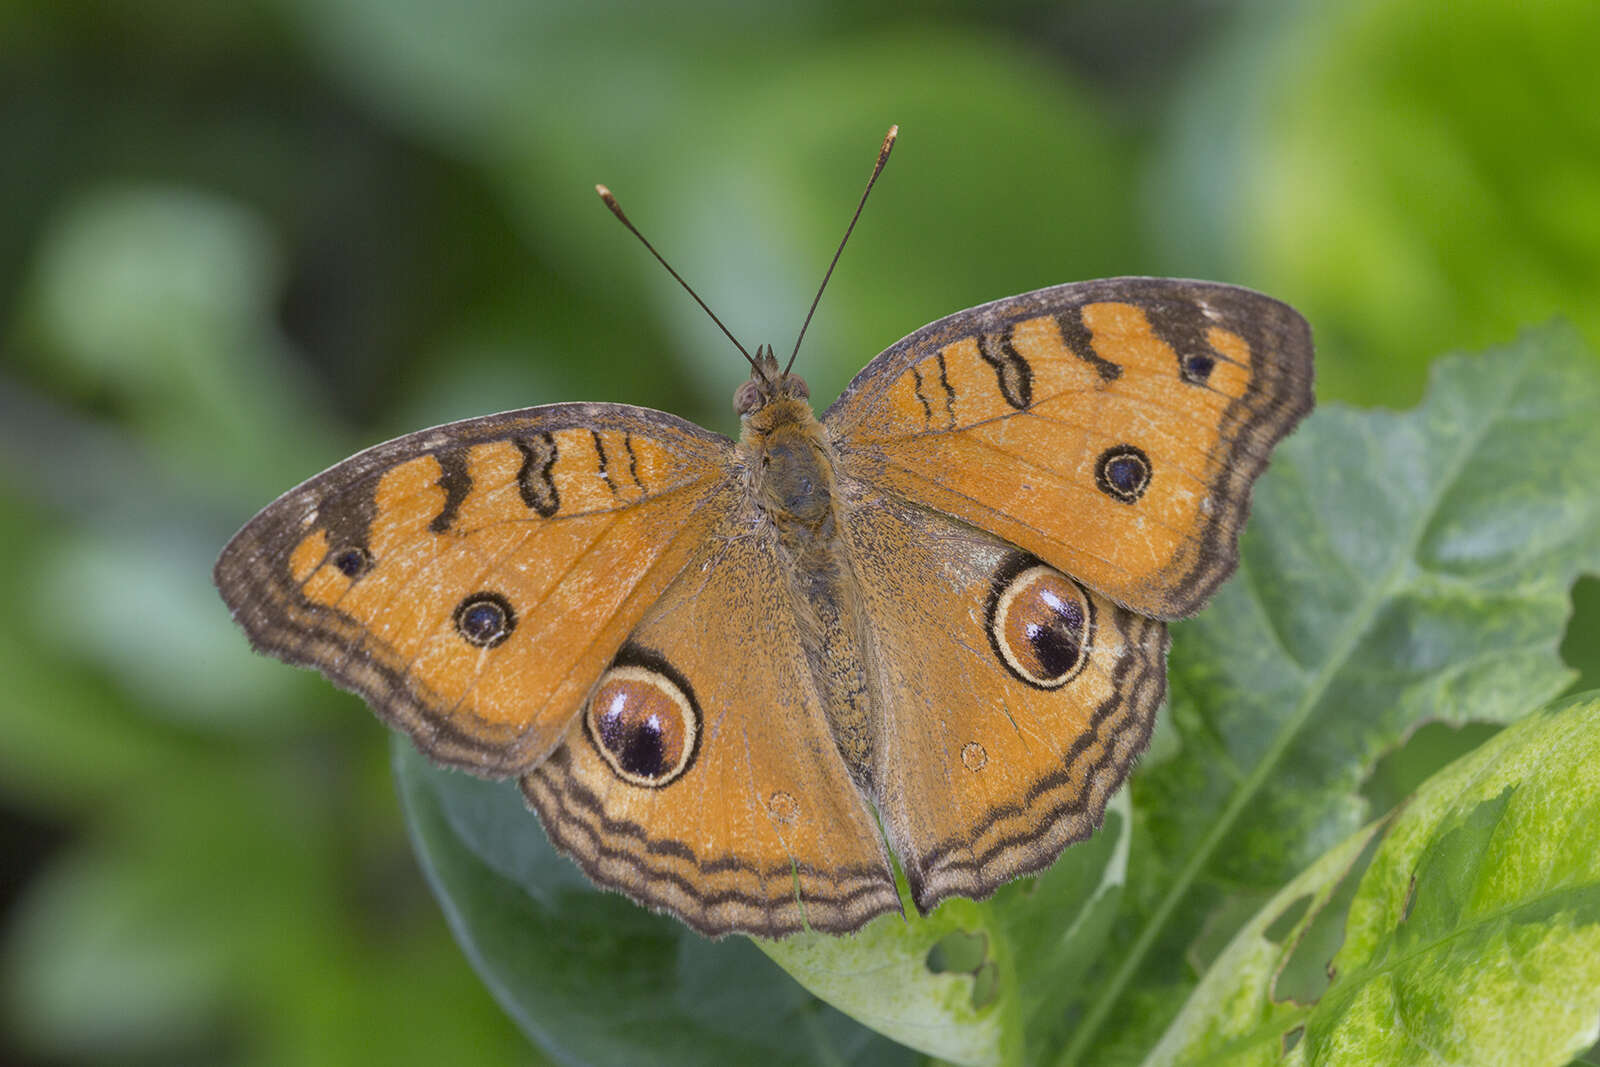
(702, 778)
(1013, 700)
(471, 581)
(1112, 428)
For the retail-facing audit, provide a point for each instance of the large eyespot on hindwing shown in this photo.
(485, 619)
(1040, 622)
(644, 720)
(1123, 473)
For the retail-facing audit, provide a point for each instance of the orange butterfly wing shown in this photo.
(746, 818)
(1113, 428)
(985, 770)
(471, 581)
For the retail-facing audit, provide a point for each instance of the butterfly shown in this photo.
(733, 676)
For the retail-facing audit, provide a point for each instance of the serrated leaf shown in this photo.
(1398, 569)
(1474, 936)
(590, 977)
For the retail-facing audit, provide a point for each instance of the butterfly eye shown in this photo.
(644, 724)
(1040, 624)
(747, 397)
(485, 619)
(1123, 473)
(798, 387)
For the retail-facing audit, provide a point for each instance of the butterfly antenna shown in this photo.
(616, 209)
(883, 157)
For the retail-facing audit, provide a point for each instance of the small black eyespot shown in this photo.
(1197, 367)
(485, 619)
(353, 562)
(1123, 473)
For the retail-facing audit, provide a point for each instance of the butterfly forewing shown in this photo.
(471, 581)
(1112, 428)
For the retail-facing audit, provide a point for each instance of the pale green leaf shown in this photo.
(1474, 935)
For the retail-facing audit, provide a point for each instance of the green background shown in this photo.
(238, 242)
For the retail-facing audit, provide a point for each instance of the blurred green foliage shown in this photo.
(240, 241)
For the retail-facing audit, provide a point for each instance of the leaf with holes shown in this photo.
(964, 983)
(1473, 935)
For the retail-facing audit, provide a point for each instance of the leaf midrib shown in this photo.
(1360, 621)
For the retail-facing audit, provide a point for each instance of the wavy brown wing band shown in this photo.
(282, 624)
(706, 894)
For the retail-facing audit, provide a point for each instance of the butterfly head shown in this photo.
(768, 383)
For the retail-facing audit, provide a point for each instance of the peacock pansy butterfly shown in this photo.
(719, 667)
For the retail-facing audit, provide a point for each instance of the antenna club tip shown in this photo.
(616, 209)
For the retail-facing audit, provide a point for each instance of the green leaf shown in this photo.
(975, 983)
(1398, 569)
(1474, 935)
(590, 977)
